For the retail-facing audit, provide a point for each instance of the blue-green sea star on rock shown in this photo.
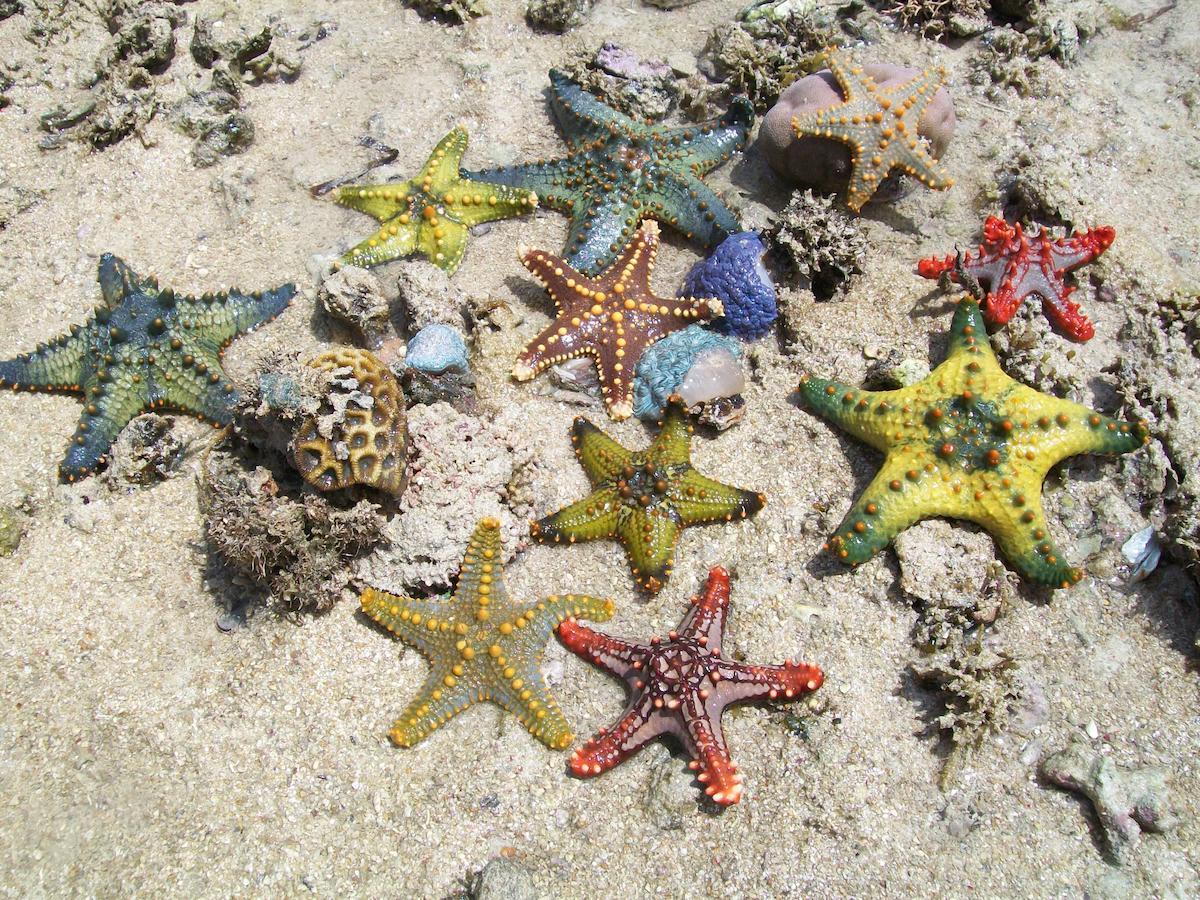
(144, 348)
(619, 171)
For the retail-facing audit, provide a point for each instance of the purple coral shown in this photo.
(735, 275)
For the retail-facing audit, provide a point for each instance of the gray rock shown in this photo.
(505, 879)
(427, 296)
(354, 297)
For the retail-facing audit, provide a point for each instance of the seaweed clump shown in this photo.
(292, 544)
(453, 12)
(937, 19)
(818, 246)
(642, 88)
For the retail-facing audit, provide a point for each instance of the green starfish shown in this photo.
(144, 348)
(431, 213)
(481, 645)
(967, 442)
(880, 126)
(645, 498)
(619, 171)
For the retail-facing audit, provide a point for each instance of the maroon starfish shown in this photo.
(681, 687)
(613, 317)
(1011, 265)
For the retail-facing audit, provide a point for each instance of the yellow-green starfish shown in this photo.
(431, 213)
(644, 498)
(879, 125)
(967, 442)
(481, 645)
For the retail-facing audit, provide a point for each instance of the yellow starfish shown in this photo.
(879, 125)
(431, 213)
(481, 645)
(967, 442)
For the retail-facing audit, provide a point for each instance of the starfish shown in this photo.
(481, 645)
(618, 171)
(144, 348)
(644, 498)
(1012, 265)
(879, 125)
(967, 442)
(681, 687)
(431, 213)
(613, 317)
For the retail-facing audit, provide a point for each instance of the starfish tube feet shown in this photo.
(681, 686)
(644, 499)
(481, 645)
(967, 442)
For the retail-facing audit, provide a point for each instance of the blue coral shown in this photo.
(662, 368)
(436, 349)
(735, 275)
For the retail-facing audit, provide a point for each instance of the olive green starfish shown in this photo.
(481, 645)
(645, 498)
(880, 126)
(431, 213)
(144, 348)
(967, 442)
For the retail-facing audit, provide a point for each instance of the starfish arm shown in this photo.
(443, 242)
(582, 118)
(408, 619)
(1081, 248)
(382, 202)
(545, 179)
(616, 656)
(698, 499)
(1067, 318)
(476, 202)
(105, 414)
(441, 170)
(382, 247)
(688, 204)
(596, 237)
(594, 517)
(1022, 537)
(742, 683)
(440, 699)
(60, 365)
(543, 617)
(196, 394)
(852, 409)
(708, 144)
(607, 748)
(705, 741)
(218, 320)
(527, 696)
(650, 537)
(673, 443)
(706, 619)
(1067, 429)
(550, 348)
(602, 458)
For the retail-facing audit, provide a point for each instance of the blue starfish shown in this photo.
(144, 348)
(619, 171)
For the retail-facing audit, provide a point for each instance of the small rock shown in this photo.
(505, 879)
(12, 529)
(437, 349)
(427, 296)
(556, 16)
(147, 450)
(1143, 552)
(353, 296)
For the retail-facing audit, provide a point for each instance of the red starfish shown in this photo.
(681, 687)
(613, 316)
(1011, 265)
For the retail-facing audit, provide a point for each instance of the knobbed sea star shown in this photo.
(645, 498)
(967, 442)
(431, 213)
(619, 171)
(879, 125)
(145, 348)
(481, 645)
(613, 317)
(1011, 266)
(681, 687)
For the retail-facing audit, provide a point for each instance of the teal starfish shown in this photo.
(144, 348)
(619, 171)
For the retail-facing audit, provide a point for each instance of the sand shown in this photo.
(145, 752)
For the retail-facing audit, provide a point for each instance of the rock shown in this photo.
(146, 451)
(824, 164)
(556, 16)
(642, 88)
(354, 297)
(1127, 801)
(12, 529)
(214, 118)
(427, 296)
(943, 564)
(454, 12)
(437, 349)
(505, 879)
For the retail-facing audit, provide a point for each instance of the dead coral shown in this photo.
(1127, 801)
(294, 545)
(936, 19)
(454, 12)
(214, 118)
(360, 434)
(556, 16)
(354, 297)
(255, 53)
(644, 89)
(146, 451)
(819, 246)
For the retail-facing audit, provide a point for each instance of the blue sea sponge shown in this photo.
(735, 275)
(436, 349)
(663, 369)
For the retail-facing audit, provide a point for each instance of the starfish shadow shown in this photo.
(1168, 600)
(527, 290)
